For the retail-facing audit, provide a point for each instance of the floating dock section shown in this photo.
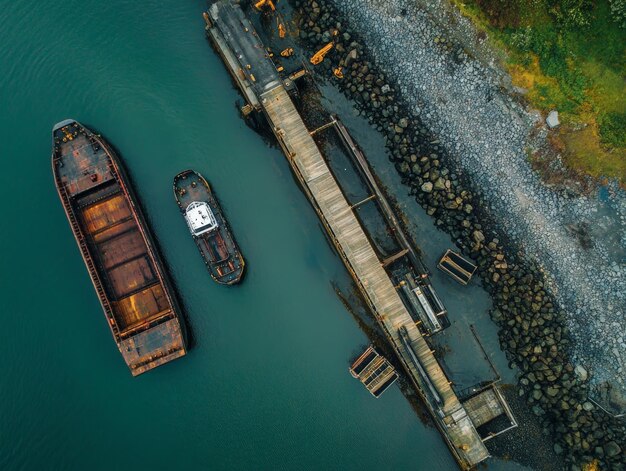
(248, 61)
(374, 371)
(457, 267)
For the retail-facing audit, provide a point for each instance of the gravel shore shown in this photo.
(486, 135)
(461, 143)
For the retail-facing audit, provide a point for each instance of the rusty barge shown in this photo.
(114, 240)
(209, 228)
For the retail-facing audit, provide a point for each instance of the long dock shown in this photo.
(237, 42)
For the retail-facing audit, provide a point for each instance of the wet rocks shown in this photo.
(612, 449)
(478, 236)
(581, 372)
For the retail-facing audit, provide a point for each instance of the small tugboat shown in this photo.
(208, 227)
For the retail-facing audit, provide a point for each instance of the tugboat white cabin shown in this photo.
(200, 218)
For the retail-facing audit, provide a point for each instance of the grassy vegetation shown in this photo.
(571, 56)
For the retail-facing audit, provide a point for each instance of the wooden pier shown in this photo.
(423, 299)
(367, 270)
(346, 232)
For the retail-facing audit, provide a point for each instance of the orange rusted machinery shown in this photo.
(281, 30)
(287, 52)
(319, 55)
(338, 72)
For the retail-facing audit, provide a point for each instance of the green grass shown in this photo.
(577, 69)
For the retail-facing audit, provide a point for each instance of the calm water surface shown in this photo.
(266, 385)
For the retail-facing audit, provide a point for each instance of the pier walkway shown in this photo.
(368, 272)
(345, 230)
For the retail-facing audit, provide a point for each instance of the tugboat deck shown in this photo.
(209, 228)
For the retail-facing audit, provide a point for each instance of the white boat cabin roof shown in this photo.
(200, 218)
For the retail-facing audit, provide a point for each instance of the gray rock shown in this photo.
(440, 184)
(427, 187)
(581, 372)
(552, 391)
(612, 449)
(478, 236)
(553, 119)
(351, 57)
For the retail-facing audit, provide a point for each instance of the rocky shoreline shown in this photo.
(532, 327)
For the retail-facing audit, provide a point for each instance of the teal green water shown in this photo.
(266, 384)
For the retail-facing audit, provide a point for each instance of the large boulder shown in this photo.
(581, 373)
(553, 119)
(612, 449)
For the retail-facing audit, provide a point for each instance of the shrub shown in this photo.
(613, 129)
(571, 13)
(618, 12)
(522, 39)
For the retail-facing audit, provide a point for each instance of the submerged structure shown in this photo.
(457, 267)
(117, 248)
(209, 227)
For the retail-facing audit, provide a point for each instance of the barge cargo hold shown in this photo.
(117, 248)
(209, 227)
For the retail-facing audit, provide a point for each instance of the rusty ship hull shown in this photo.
(209, 229)
(118, 250)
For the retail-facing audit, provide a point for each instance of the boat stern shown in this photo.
(153, 347)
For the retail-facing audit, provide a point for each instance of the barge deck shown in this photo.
(117, 248)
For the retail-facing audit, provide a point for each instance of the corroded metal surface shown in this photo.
(218, 247)
(119, 252)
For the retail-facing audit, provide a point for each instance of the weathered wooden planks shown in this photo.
(367, 270)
